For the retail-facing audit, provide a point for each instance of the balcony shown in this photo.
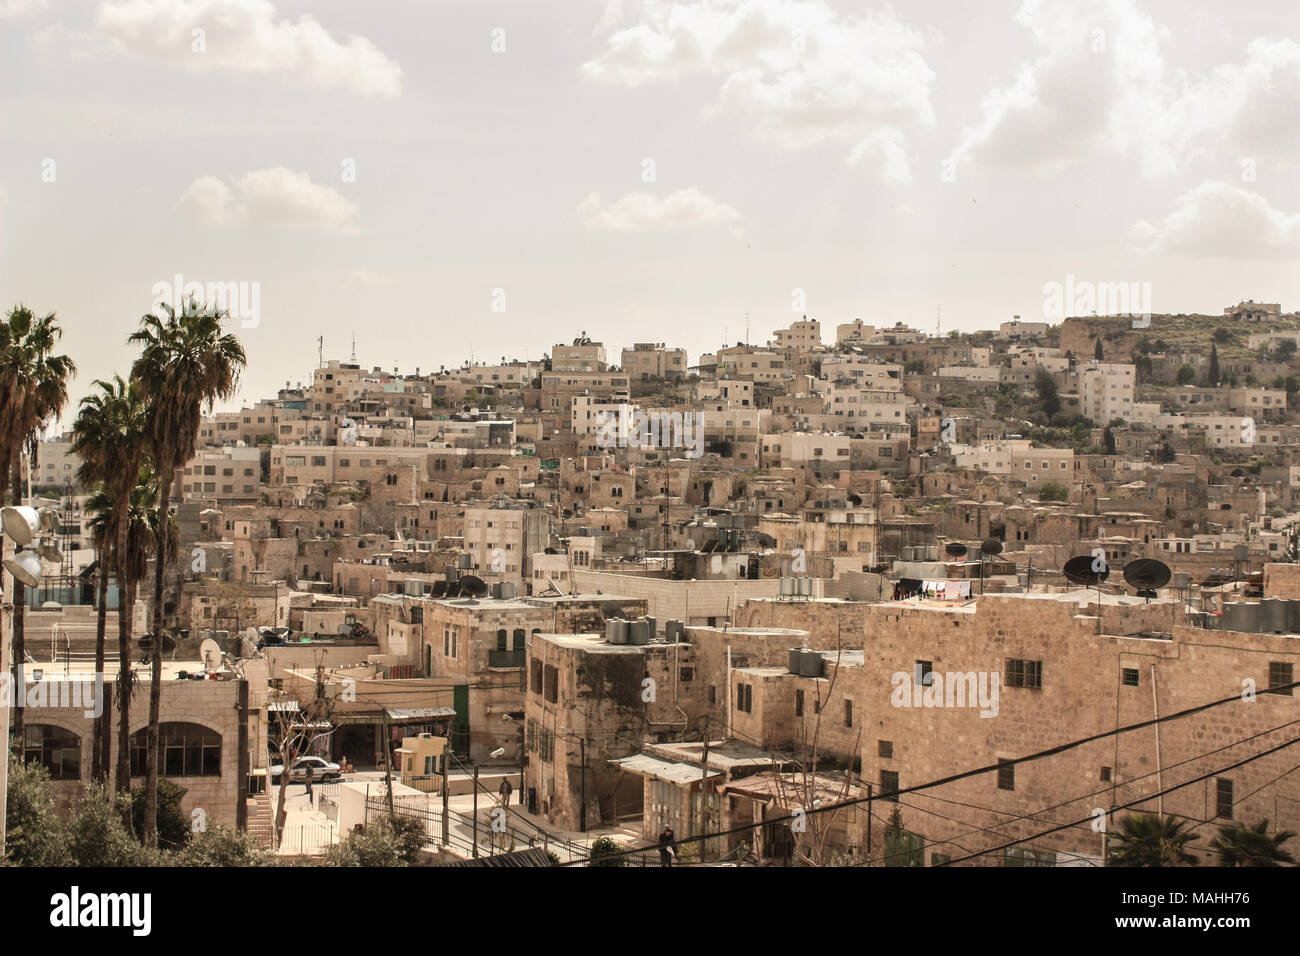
(506, 659)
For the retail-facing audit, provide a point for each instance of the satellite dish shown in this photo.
(991, 546)
(473, 585)
(210, 654)
(856, 500)
(955, 549)
(611, 611)
(1147, 574)
(766, 540)
(1079, 571)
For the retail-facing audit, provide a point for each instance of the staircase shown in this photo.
(260, 819)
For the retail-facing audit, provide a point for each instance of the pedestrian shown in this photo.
(505, 790)
(310, 802)
(666, 848)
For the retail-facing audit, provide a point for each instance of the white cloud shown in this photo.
(244, 36)
(800, 72)
(1102, 84)
(883, 155)
(13, 9)
(645, 212)
(276, 196)
(1218, 219)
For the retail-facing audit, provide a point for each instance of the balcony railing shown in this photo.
(506, 658)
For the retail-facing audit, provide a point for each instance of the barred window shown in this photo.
(1024, 674)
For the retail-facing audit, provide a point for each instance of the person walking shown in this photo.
(666, 848)
(505, 790)
(308, 779)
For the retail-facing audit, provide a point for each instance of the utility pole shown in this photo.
(869, 816)
(388, 766)
(476, 811)
(582, 741)
(445, 753)
(704, 790)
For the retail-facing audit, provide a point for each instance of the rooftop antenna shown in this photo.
(354, 346)
(746, 328)
(320, 352)
(938, 321)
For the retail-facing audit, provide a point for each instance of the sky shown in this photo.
(487, 178)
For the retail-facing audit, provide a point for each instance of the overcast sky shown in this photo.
(643, 172)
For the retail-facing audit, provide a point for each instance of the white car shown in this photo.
(322, 770)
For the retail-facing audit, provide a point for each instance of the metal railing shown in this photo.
(498, 658)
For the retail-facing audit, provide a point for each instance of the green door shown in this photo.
(460, 725)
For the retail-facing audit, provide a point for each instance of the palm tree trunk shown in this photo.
(19, 642)
(97, 770)
(125, 614)
(155, 684)
(124, 604)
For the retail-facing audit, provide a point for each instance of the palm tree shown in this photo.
(33, 390)
(1242, 845)
(109, 437)
(186, 363)
(138, 533)
(98, 510)
(1146, 839)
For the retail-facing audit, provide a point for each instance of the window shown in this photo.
(1006, 775)
(551, 683)
(687, 675)
(1223, 798)
(745, 698)
(184, 750)
(1105, 774)
(889, 785)
(798, 703)
(502, 636)
(848, 713)
(535, 675)
(1279, 675)
(923, 671)
(939, 859)
(1024, 674)
(1130, 676)
(518, 639)
(885, 749)
(55, 749)
(1023, 856)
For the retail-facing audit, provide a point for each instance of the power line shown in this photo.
(952, 778)
(1130, 804)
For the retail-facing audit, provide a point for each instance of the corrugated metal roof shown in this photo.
(667, 770)
(533, 856)
(420, 713)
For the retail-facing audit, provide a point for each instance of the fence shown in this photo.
(498, 833)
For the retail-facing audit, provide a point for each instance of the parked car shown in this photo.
(322, 770)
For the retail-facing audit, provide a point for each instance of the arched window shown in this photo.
(519, 639)
(501, 640)
(184, 750)
(55, 749)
